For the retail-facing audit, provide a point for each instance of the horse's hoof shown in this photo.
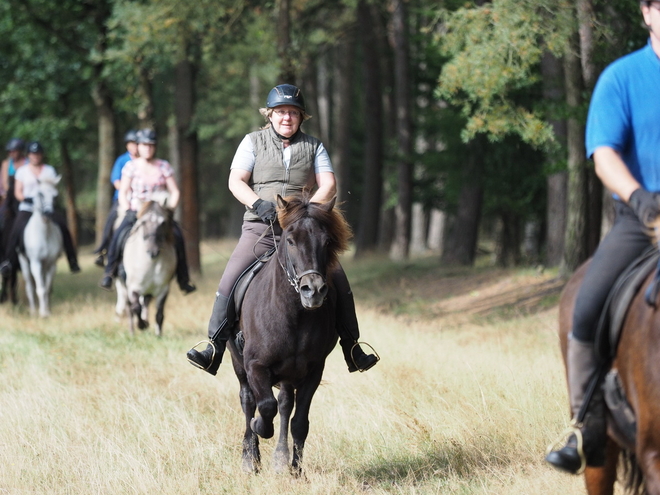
(143, 325)
(281, 462)
(250, 465)
(264, 431)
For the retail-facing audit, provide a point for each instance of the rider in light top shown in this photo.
(623, 137)
(25, 188)
(278, 159)
(140, 178)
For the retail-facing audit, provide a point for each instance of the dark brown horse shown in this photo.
(638, 364)
(288, 323)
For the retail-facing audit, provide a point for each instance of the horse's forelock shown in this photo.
(336, 226)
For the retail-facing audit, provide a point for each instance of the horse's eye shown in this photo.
(289, 241)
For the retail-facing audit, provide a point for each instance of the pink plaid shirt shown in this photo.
(142, 187)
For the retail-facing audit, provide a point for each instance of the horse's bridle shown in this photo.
(289, 270)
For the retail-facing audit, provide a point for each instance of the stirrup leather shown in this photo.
(573, 428)
(197, 365)
(357, 344)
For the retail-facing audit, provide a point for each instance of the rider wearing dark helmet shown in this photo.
(130, 140)
(278, 159)
(141, 177)
(623, 137)
(26, 184)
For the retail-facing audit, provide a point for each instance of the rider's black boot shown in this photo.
(586, 444)
(210, 358)
(349, 333)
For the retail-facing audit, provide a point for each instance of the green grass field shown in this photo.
(462, 402)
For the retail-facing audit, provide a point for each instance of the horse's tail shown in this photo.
(631, 474)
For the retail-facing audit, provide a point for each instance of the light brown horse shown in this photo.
(638, 364)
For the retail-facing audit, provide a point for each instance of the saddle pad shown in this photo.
(618, 300)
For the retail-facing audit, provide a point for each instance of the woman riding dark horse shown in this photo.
(278, 159)
(623, 137)
(25, 187)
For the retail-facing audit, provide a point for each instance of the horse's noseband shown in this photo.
(293, 277)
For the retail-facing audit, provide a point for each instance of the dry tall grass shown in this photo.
(452, 408)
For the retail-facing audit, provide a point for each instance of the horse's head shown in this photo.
(155, 222)
(313, 237)
(44, 200)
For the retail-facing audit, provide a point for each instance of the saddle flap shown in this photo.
(616, 307)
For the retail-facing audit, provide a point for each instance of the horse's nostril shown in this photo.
(306, 290)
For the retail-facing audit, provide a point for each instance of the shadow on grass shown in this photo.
(460, 461)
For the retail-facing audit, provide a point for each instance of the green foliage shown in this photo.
(494, 51)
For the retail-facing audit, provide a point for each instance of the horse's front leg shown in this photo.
(300, 421)
(600, 480)
(26, 268)
(46, 289)
(259, 378)
(648, 455)
(251, 454)
(160, 311)
(285, 405)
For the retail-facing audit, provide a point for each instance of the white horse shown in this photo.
(42, 241)
(149, 263)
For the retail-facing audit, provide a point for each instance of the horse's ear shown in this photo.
(281, 202)
(329, 205)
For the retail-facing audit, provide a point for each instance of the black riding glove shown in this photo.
(645, 205)
(266, 210)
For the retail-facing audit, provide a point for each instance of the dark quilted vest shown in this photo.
(270, 177)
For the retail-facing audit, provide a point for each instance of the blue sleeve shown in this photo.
(118, 166)
(609, 120)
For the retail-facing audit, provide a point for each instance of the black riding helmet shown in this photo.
(130, 136)
(15, 144)
(146, 136)
(285, 94)
(35, 147)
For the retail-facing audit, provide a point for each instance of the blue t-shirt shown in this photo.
(624, 114)
(116, 171)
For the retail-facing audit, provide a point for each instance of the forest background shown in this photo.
(447, 121)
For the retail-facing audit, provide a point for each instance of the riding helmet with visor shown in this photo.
(285, 94)
(130, 136)
(146, 136)
(15, 144)
(35, 147)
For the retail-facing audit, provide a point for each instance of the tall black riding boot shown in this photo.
(586, 444)
(219, 328)
(349, 333)
(182, 275)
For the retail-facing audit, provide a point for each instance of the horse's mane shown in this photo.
(339, 232)
(149, 205)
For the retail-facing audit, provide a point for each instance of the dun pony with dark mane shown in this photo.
(288, 325)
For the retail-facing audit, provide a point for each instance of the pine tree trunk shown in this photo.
(556, 183)
(367, 234)
(403, 209)
(107, 153)
(575, 245)
(69, 187)
(184, 92)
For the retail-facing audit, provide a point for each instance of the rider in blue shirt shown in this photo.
(130, 139)
(623, 137)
